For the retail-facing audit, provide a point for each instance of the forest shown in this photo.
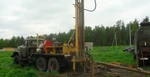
(100, 35)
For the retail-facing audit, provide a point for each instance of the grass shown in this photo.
(101, 54)
(112, 54)
(8, 69)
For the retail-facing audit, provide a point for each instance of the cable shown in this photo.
(94, 7)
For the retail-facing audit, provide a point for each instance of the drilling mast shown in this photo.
(79, 28)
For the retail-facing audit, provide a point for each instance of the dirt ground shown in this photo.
(113, 72)
(110, 72)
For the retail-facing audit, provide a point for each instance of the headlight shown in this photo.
(38, 50)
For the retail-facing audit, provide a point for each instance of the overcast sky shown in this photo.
(28, 17)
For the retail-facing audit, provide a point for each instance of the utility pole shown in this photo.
(116, 39)
(130, 35)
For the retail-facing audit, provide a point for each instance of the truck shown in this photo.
(142, 44)
(45, 55)
(51, 57)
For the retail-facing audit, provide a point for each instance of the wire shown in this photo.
(94, 7)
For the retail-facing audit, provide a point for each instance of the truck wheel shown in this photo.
(53, 64)
(16, 59)
(41, 64)
(134, 56)
(138, 61)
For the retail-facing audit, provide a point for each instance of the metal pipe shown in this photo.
(126, 68)
(37, 38)
(82, 29)
(74, 63)
(76, 27)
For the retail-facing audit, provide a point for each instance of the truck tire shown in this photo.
(53, 64)
(41, 64)
(138, 61)
(16, 59)
(134, 56)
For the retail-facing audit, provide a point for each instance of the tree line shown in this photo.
(99, 35)
(13, 42)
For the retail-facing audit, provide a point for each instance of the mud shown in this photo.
(104, 71)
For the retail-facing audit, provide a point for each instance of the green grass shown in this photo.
(8, 69)
(101, 54)
(112, 54)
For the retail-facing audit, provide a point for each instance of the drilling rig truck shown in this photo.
(47, 56)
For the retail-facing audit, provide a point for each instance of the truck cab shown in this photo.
(142, 44)
(26, 50)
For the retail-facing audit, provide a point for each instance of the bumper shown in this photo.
(144, 58)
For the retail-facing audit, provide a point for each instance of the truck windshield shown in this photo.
(34, 42)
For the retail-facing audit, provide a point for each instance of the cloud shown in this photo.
(28, 17)
(110, 11)
(6, 32)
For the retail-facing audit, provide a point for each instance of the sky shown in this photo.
(29, 17)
